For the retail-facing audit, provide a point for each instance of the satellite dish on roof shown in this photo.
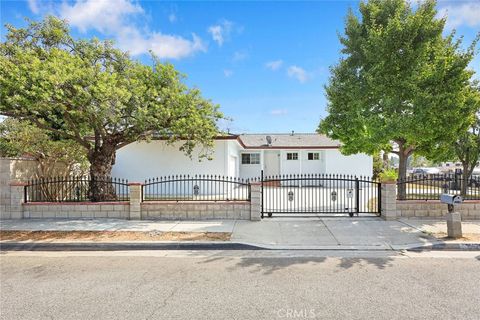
(269, 140)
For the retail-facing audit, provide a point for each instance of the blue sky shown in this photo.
(264, 63)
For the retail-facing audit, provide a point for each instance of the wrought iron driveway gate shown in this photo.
(320, 194)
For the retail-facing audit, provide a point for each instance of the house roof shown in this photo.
(287, 141)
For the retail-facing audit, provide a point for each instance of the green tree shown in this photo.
(399, 86)
(54, 157)
(420, 161)
(467, 151)
(378, 165)
(466, 146)
(96, 95)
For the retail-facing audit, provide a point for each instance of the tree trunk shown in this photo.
(403, 155)
(466, 172)
(386, 163)
(101, 161)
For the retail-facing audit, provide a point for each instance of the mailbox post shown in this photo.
(454, 219)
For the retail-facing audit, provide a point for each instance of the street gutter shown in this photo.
(218, 245)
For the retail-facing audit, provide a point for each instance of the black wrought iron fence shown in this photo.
(196, 188)
(320, 193)
(430, 187)
(76, 189)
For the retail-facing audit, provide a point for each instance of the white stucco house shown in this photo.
(243, 156)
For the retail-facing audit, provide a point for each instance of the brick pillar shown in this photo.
(17, 195)
(389, 201)
(135, 189)
(255, 201)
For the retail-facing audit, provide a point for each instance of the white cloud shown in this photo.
(278, 112)
(102, 15)
(33, 5)
(274, 65)
(163, 45)
(221, 32)
(172, 17)
(119, 19)
(297, 73)
(466, 13)
(227, 73)
(239, 56)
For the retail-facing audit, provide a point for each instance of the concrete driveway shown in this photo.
(330, 233)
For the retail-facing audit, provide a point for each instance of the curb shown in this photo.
(171, 245)
(122, 246)
(447, 247)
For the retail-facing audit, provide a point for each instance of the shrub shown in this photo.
(390, 175)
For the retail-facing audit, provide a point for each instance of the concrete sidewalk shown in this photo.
(276, 233)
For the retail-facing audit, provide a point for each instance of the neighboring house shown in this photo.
(242, 156)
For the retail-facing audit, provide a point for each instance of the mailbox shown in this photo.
(450, 200)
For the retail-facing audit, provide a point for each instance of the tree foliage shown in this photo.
(466, 146)
(400, 84)
(90, 92)
(54, 157)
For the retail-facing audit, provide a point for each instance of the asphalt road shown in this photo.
(237, 285)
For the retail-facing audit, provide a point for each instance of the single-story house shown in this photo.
(242, 156)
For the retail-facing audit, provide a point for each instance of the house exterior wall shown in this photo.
(234, 158)
(251, 170)
(142, 160)
(357, 164)
(302, 165)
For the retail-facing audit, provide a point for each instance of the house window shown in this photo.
(313, 156)
(250, 158)
(292, 156)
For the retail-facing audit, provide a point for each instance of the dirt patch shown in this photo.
(105, 236)
(467, 237)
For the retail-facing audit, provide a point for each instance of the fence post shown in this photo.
(135, 195)
(17, 194)
(357, 196)
(388, 200)
(255, 201)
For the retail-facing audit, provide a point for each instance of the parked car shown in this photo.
(425, 172)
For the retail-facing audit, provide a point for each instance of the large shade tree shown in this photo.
(90, 92)
(399, 85)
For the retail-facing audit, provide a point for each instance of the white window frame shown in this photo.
(294, 156)
(315, 156)
(255, 156)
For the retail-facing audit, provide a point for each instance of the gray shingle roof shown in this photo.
(297, 140)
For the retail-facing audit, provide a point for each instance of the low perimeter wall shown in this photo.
(75, 210)
(135, 209)
(393, 209)
(470, 210)
(172, 210)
